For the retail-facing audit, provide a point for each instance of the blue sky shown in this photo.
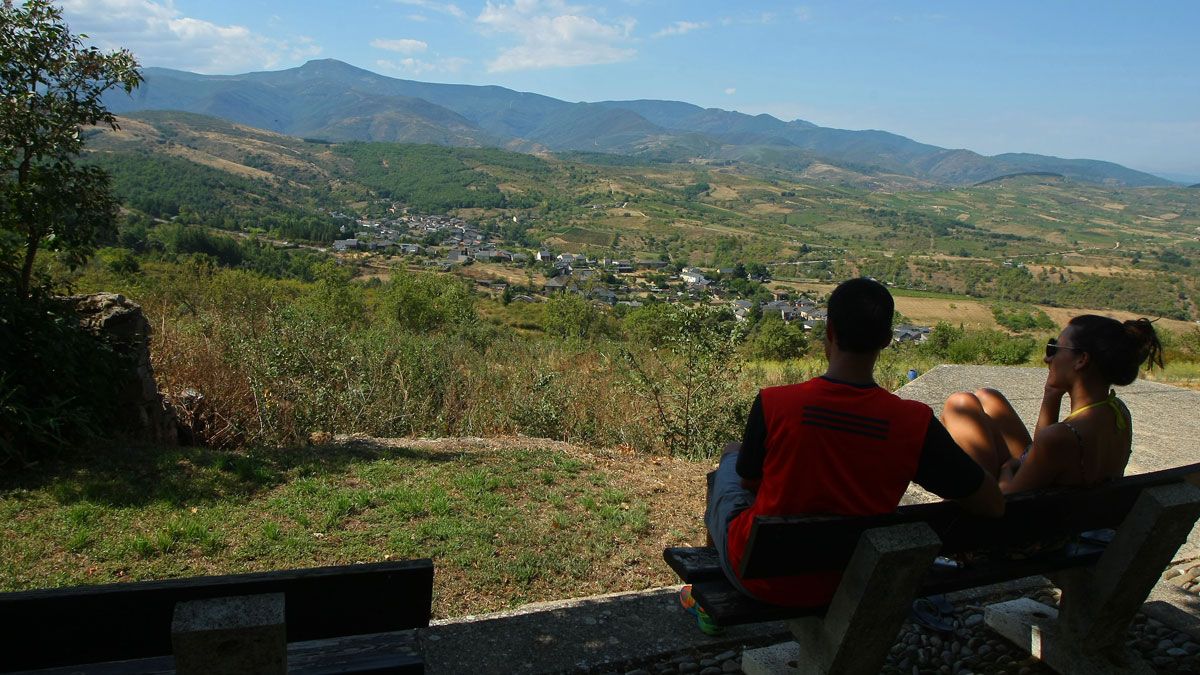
(1103, 80)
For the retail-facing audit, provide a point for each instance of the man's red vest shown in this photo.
(835, 449)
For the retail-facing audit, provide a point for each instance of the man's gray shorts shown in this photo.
(726, 499)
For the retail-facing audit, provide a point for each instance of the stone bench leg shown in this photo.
(242, 634)
(866, 613)
(1088, 634)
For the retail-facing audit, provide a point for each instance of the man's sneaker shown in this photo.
(703, 620)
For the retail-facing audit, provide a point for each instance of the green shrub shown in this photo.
(58, 384)
(1020, 319)
(776, 340)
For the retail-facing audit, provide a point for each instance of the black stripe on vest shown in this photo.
(836, 420)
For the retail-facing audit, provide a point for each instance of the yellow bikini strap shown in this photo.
(1111, 401)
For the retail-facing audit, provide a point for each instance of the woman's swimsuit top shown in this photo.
(1120, 415)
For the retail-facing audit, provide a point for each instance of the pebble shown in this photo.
(731, 666)
(688, 667)
(711, 670)
(1176, 652)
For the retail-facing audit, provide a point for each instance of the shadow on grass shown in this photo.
(128, 476)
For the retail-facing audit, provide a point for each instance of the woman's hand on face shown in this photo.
(1052, 393)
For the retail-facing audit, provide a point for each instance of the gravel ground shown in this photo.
(971, 648)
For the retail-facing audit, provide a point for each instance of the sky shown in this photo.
(1118, 81)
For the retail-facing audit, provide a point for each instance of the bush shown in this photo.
(58, 384)
(778, 341)
(693, 385)
(1021, 319)
(569, 316)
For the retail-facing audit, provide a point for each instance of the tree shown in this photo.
(778, 341)
(50, 87)
(691, 382)
(569, 316)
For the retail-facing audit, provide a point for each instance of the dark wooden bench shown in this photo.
(92, 625)
(888, 561)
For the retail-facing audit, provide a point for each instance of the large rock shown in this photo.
(121, 323)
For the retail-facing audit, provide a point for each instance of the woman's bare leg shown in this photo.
(975, 432)
(1011, 428)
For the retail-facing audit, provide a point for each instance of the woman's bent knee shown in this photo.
(987, 394)
(963, 401)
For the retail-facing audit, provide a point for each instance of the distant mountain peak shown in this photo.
(332, 99)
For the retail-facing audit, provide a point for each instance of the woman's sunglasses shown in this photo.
(1052, 348)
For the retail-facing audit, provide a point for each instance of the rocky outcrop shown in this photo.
(121, 323)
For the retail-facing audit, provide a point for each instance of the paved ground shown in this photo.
(602, 633)
(583, 635)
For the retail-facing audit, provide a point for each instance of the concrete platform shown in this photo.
(581, 635)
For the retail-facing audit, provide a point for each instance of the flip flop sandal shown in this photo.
(703, 621)
(928, 613)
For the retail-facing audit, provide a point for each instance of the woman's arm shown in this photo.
(1043, 466)
(1051, 403)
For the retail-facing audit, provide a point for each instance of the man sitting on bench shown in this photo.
(838, 444)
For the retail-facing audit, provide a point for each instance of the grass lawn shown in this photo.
(506, 521)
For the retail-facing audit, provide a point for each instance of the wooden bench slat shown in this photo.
(693, 564)
(730, 607)
(92, 624)
(391, 653)
(783, 546)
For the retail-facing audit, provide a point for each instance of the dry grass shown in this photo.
(1061, 315)
(928, 311)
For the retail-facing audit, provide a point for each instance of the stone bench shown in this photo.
(888, 561)
(337, 619)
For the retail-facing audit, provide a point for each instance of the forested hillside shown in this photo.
(1040, 237)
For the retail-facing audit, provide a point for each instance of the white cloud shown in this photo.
(159, 35)
(443, 7)
(416, 17)
(730, 91)
(680, 27)
(553, 34)
(403, 45)
(411, 66)
(763, 18)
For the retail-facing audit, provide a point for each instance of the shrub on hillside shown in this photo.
(693, 385)
(956, 345)
(776, 340)
(57, 382)
(1020, 319)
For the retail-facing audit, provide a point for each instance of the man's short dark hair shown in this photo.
(860, 311)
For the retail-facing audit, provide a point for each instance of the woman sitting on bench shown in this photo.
(1089, 446)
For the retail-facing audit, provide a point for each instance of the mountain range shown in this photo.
(334, 101)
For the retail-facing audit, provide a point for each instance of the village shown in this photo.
(447, 243)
